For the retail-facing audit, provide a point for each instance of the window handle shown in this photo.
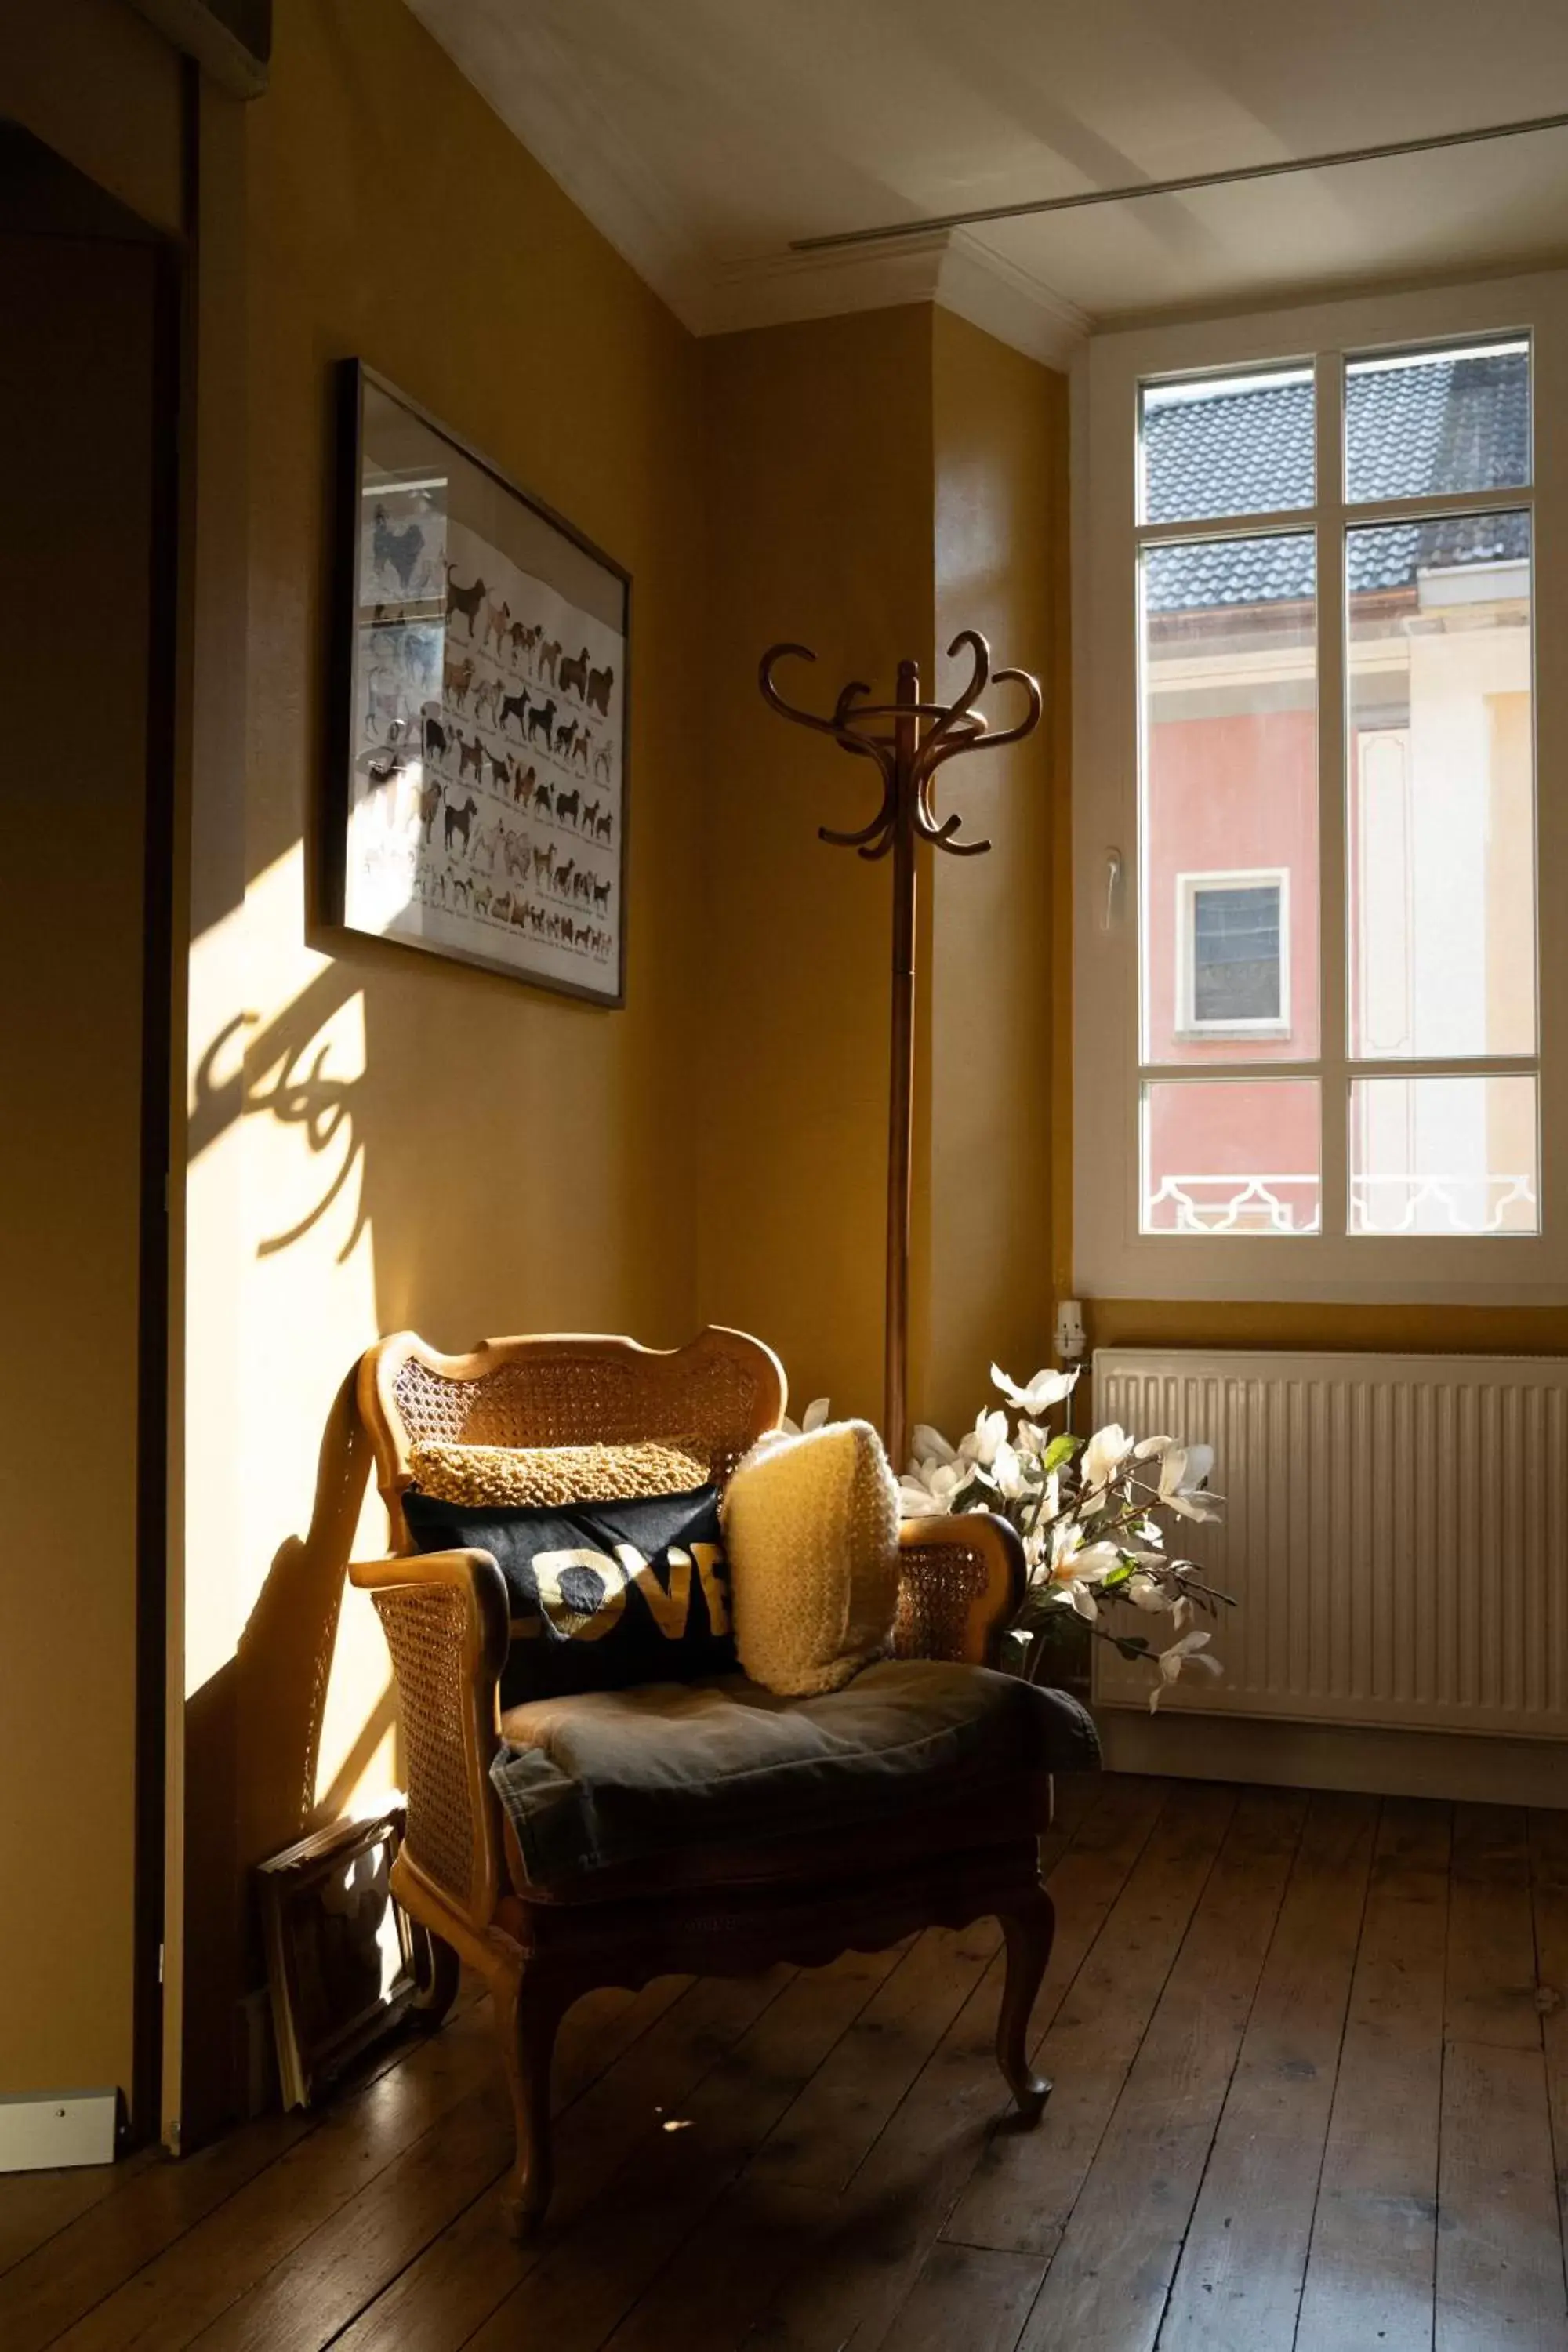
(1112, 878)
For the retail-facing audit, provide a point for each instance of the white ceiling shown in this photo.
(702, 136)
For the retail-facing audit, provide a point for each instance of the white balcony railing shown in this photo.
(1287, 1203)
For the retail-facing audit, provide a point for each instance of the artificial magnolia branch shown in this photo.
(1089, 1512)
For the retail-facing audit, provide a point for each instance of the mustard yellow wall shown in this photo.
(379, 1139)
(76, 428)
(1000, 464)
(820, 499)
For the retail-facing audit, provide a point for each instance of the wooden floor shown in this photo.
(1312, 2068)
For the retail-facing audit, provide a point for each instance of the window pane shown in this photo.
(1441, 805)
(1238, 1156)
(1230, 799)
(1229, 445)
(1429, 422)
(1444, 1156)
(1236, 952)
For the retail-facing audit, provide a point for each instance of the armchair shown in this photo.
(944, 1859)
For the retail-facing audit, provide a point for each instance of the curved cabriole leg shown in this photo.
(1029, 1933)
(526, 2023)
(436, 1968)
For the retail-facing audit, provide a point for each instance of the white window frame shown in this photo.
(1189, 1028)
(1111, 1258)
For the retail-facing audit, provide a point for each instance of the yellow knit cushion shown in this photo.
(811, 1527)
(552, 1475)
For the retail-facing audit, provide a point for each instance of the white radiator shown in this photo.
(1395, 1533)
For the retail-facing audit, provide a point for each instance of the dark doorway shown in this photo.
(88, 422)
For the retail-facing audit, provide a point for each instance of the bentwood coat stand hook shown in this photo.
(908, 755)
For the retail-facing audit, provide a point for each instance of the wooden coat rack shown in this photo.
(922, 735)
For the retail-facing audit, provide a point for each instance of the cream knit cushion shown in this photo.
(552, 1475)
(811, 1527)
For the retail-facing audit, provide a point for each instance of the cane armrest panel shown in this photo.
(961, 1579)
(445, 1621)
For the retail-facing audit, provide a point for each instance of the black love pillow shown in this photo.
(602, 1595)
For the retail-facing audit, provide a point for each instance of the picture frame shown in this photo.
(341, 1956)
(478, 784)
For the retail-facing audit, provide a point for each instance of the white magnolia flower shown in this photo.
(1007, 1474)
(989, 1430)
(1187, 1652)
(1107, 1450)
(1033, 1438)
(929, 1444)
(1177, 1491)
(927, 1488)
(1146, 1591)
(814, 1416)
(1095, 1561)
(1147, 1447)
(1047, 1388)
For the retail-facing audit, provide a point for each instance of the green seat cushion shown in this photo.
(611, 1777)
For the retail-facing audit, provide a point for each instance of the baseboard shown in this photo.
(39, 2134)
(1456, 1765)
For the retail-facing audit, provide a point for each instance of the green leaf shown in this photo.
(1061, 1449)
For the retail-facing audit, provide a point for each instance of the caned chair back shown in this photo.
(713, 1398)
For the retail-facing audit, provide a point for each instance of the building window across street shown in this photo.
(1232, 978)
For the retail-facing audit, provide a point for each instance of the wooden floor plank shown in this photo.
(172, 2298)
(213, 2268)
(591, 2277)
(1549, 1888)
(1492, 1933)
(829, 2131)
(1238, 2284)
(445, 2292)
(971, 2296)
(1371, 2265)
(37, 2206)
(759, 2236)
(1108, 2282)
(1027, 2183)
(919, 2167)
(41, 2296)
(1500, 2256)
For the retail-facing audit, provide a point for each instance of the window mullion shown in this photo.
(1332, 961)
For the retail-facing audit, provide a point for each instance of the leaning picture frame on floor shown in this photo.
(476, 795)
(339, 1949)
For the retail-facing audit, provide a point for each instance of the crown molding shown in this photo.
(947, 267)
(1009, 302)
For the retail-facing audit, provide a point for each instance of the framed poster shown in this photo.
(478, 803)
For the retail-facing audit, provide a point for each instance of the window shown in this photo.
(1309, 962)
(1233, 978)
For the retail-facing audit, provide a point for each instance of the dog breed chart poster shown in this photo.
(485, 811)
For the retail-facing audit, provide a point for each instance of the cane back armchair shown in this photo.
(461, 1873)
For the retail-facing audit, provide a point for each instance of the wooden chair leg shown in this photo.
(1028, 1933)
(437, 1967)
(526, 2023)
